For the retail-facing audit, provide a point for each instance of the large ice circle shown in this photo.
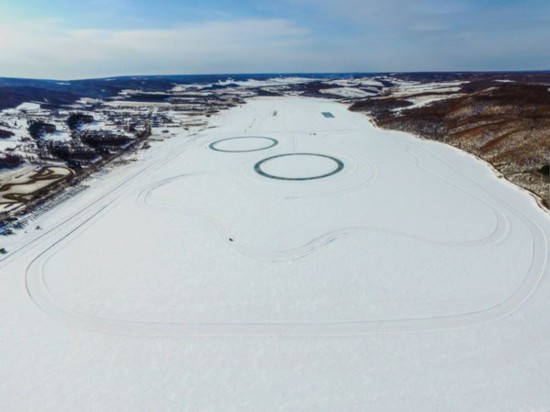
(243, 144)
(299, 166)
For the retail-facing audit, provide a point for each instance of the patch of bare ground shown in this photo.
(506, 124)
(29, 187)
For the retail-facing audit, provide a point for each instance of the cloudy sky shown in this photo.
(69, 39)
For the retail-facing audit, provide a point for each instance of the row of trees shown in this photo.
(10, 161)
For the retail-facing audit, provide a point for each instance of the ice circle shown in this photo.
(299, 166)
(243, 144)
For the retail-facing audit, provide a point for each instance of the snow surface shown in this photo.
(421, 101)
(128, 103)
(248, 84)
(27, 107)
(276, 81)
(365, 82)
(413, 279)
(405, 88)
(8, 143)
(347, 92)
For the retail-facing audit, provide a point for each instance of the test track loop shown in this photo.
(40, 294)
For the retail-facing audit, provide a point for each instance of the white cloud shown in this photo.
(344, 35)
(45, 49)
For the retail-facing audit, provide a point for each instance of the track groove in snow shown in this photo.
(39, 292)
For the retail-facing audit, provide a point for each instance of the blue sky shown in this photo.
(64, 39)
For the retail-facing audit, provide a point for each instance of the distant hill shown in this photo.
(108, 87)
(14, 96)
(502, 118)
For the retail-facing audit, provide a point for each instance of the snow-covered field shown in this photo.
(347, 92)
(283, 260)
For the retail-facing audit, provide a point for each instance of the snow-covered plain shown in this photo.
(409, 278)
(347, 92)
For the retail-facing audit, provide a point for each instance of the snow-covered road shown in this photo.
(282, 260)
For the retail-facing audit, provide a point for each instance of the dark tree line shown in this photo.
(76, 120)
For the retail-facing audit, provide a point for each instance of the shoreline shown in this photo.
(536, 197)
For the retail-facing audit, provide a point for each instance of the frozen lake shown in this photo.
(284, 259)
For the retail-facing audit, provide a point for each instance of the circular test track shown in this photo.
(339, 167)
(270, 143)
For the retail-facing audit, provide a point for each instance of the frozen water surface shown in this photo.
(412, 279)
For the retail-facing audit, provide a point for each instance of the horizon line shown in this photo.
(125, 76)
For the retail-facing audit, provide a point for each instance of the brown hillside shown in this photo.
(506, 124)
